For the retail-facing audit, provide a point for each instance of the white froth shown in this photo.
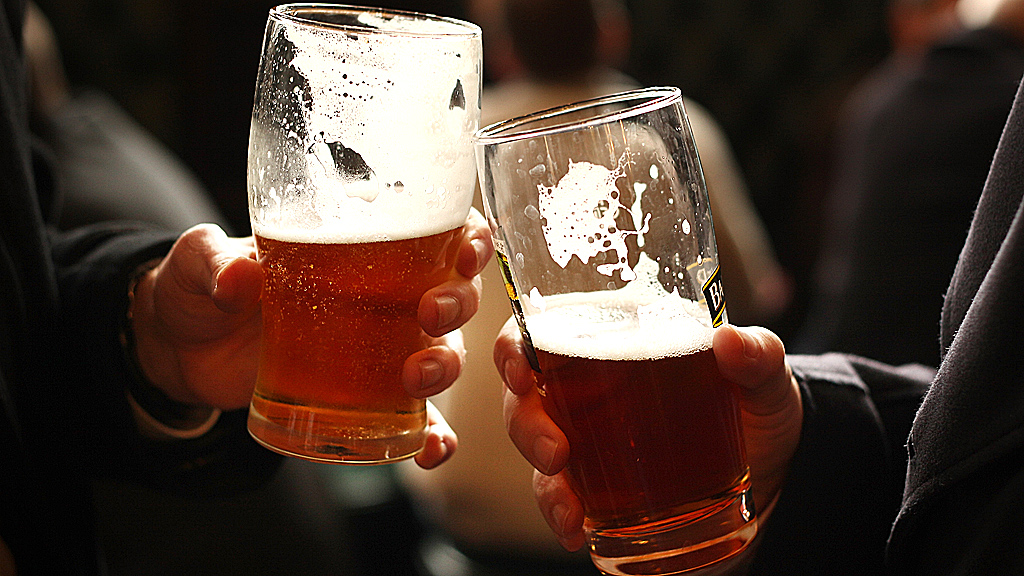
(402, 23)
(578, 325)
(387, 98)
(387, 227)
(580, 212)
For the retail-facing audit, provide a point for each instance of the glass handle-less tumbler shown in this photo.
(600, 217)
(361, 176)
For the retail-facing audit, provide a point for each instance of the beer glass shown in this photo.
(601, 222)
(360, 178)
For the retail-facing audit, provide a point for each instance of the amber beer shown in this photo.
(339, 320)
(656, 450)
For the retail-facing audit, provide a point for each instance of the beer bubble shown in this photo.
(531, 212)
(686, 226)
(654, 172)
(538, 170)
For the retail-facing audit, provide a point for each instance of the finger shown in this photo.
(534, 433)
(755, 359)
(510, 359)
(561, 508)
(434, 369)
(448, 306)
(441, 440)
(476, 249)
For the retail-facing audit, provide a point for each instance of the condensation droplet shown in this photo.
(686, 226)
(654, 171)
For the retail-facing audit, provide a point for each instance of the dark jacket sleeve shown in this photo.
(80, 375)
(846, 479)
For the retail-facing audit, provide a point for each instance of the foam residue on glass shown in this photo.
(579, 216)
(378, 150)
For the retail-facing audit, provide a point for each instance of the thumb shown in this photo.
(755, 360)
(772, 411)
(206, 262)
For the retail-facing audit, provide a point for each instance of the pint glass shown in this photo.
(360, 178)
(600, 218)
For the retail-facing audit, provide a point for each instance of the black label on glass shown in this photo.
(715, 297)
(517, 310)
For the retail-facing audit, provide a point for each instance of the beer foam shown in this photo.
(334, 235)
(403, 23)
(610, 326)
(580, 214)
(384, 144)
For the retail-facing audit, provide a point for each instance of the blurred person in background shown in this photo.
(915, 149)
(109, 166)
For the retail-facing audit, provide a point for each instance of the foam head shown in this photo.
(364, 128)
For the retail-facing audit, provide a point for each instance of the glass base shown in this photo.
(314, 435)
(677, 545)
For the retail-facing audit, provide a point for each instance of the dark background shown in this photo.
(773, 72)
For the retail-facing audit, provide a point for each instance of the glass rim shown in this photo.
(514, 129)
(460, 28)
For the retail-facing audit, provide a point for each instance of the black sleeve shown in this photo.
(80, 376)
(846, 479)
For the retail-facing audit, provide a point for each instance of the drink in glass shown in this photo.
(361, 177)
(601, 220)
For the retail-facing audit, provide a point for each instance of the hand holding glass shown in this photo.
(361, 177)
(601, 222)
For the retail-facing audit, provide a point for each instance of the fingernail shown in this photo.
(480, 247)
(544, 452)
(751, 346)
(447, 310)
(559, 514)
(509, 371)
(218, 273)
(431, 373)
